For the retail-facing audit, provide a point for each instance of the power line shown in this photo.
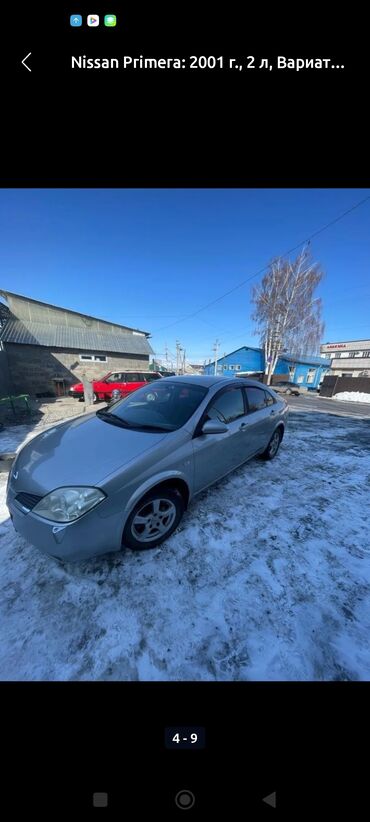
(226, 334)
(261, 270)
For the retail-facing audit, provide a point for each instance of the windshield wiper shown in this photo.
(104, 413)
(151, 427)
(113, 418)
(107, 415)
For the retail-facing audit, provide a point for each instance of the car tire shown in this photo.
(96, 397)
(169, 504)
(273, 446)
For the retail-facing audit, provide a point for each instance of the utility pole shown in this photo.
(178, 358)
(215, 349)
(166, 355)
(184, 363)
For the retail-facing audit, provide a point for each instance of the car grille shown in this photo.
(28, 500)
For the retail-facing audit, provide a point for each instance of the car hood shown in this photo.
(78, 452)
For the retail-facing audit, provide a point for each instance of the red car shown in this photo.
(124, 381)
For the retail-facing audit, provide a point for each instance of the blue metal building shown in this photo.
(307, 371)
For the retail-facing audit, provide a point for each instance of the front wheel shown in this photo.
(153, 519)
(273, 446)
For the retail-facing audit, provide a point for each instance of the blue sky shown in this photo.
(148, 257)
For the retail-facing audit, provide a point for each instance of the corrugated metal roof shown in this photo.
(58, 336)
(305, 360)
(7, 294)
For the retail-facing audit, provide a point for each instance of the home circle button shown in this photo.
(185, 800)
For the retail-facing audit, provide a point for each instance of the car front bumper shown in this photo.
(87, 537)
(77, 395)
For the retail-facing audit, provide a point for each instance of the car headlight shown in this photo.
(68, 504)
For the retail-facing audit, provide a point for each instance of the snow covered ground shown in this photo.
(13, 437)
(267, 578)
(352, 396)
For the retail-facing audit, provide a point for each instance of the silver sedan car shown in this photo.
(285, 387)
(124, 475)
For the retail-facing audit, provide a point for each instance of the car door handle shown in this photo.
(243, 427)
(273, 413)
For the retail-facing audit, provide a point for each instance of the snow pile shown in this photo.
(267, 578)
(14, 437)
(352, 396)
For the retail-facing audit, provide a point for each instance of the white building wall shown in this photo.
(351, 357)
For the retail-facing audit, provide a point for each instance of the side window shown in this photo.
(148, 376)
(131, 377)
(227, 407)
(113, 378)
(152, 375)
(256, 399)
(269, 398)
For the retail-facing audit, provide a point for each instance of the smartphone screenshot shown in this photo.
(184, 412)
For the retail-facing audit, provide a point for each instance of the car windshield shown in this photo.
(165, 406)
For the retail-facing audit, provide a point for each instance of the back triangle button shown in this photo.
(270, 799)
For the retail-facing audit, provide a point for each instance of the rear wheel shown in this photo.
(154, 519)
(273, 445)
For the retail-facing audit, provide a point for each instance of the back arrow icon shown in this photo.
(270, 799)
(24, 61)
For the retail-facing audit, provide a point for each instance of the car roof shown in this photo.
(207, 381)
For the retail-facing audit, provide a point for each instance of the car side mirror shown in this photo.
(214, 427)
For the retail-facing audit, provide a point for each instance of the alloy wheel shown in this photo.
(153, 520)
(274, 444)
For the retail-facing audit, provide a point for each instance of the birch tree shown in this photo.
(287, 315)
